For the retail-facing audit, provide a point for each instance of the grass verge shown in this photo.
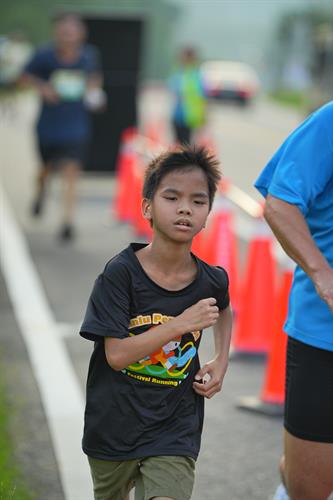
(291, 98)
(12, 486)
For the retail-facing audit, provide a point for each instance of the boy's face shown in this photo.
(180, 205)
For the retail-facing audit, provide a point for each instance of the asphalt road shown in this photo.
(240, 450)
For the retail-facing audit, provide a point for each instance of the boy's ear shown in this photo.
(146, 209)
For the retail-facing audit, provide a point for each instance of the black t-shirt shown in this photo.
(150, 407)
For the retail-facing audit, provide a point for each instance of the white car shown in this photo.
(230, 80)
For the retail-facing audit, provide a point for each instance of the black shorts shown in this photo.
(309, 392)
(55, 154)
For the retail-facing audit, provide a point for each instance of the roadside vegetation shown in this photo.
(291, 98)
(11, 483)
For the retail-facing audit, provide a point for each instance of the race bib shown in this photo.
(69, 84)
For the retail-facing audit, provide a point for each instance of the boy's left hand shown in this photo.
(215, 370)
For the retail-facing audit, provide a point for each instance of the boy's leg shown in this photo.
(113, 480)
(167, 477)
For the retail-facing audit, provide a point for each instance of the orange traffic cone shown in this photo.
(133, 193)
(197, 244)
(221, 244)
(155, 131)
(124, 173)
(203, 138)
(271, 400)
(141, 225)
(254, 323)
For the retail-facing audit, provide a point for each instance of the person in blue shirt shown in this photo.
(68, 78)
(298, 186)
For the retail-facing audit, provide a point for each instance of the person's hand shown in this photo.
(95, 99)
(208, 380)
(201, 315)
(323, 282)
(48, 93)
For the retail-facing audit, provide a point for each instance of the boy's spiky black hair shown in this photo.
(183, 158)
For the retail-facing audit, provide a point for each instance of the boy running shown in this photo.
(145, 388)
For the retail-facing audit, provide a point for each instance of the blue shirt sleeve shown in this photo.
(303, 165)
(38, 64)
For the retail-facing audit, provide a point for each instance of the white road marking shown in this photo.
(59, 388)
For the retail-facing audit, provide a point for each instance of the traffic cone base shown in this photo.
(236, 354)
(256, 405)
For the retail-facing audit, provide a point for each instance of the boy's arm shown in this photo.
(122, 352)
(217, 367)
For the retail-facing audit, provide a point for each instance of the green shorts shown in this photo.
(161, 476)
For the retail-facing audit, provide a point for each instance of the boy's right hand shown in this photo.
(201, 315)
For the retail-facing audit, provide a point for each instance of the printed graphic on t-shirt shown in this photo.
(169, 365)
(69, 84)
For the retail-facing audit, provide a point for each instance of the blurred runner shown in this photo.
(67, 75)
(298, 184)
(186, 84)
